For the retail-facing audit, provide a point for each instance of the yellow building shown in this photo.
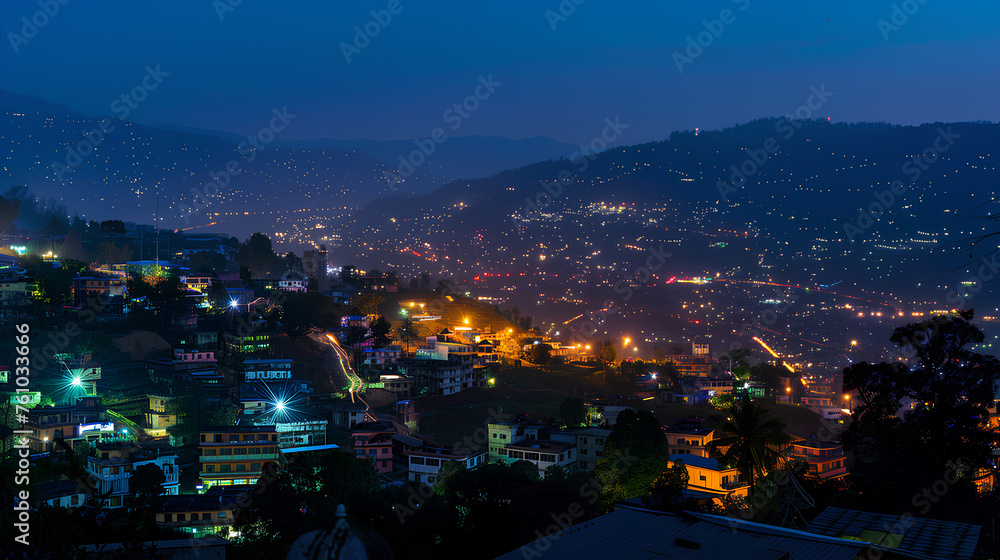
(707, 479)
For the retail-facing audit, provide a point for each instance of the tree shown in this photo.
(258, 255)
(634, 456)
(145, 485)
(207, 262)
(573, 412)
(539, 354)
(737, 357)
(950, 389)
(381, 330)
(609, 354)
(293, 262)
(752, 439)
(667, 491)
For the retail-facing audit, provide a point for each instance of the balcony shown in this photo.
(732, 485)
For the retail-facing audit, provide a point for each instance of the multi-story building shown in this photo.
(197, 283)
(200, 515)
(500, 435)
(696, 364)
(16, 293)
(314, 264)
(823, 460)
(267, 370)
(108, 291)
(60, 493)
(292, 282)
(440, 377)
(87, 420)
(707, 479)
(235, 455)
(112, 466)
(382, 357)
(253, 337)
(400, 385)
(543, 453)
(589, 443)
(424, 464)
(688, 437)
(373, 440)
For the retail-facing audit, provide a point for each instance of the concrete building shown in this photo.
(373, 440)
(235, 455)
(707, 479)
(543, 453)
(267, 370)
(112, 466)
(314, 262)
(823, 460)
(589, 443)
(424, 464)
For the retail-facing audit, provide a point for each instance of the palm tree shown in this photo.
(752, 440)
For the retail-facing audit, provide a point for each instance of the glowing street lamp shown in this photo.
(76, 382)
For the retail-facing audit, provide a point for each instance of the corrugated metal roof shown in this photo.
(638, 534)
(929, 537)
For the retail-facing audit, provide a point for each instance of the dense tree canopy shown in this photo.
(936, 401)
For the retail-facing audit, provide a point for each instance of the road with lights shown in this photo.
(354, 383)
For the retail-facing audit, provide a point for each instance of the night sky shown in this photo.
(605, 59)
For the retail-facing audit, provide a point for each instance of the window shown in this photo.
(416, 460)
(548, 458)
(584, 440)
(224, 468)
(240, 451)
(168, 517)
(75, 500)
(217, 438)
(234, 437)
(433, 462)
(241, 467)
(255, 467)
(702, 478)
(221, 515)
(205, 516)
(416, 478)
(583, 452)
(227, 452)
(494, 436)
(203, 438)
(531, 456)
(209, 468)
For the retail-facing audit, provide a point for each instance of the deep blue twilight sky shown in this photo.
(608, 58)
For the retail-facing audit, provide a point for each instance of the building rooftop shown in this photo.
(637, 534)
(696, 461)
(541, 445)
(927, 537)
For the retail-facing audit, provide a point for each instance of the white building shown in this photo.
(543, 453)
(267, 370)
(113, 466)
(425, 464)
